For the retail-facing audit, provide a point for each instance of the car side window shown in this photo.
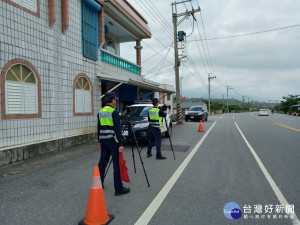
(145, 111)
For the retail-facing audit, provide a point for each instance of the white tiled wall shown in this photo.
(58, 58)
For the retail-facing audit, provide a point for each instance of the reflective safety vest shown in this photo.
(107, 124)
(155, 119)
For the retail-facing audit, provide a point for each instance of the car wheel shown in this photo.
(186, 119)
(206, 117)
(169, 132)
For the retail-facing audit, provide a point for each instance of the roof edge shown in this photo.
(144, 29)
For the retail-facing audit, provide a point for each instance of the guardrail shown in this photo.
(117, 61)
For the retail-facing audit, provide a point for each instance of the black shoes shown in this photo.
(157, 157)
(123, 191)
(161, 157)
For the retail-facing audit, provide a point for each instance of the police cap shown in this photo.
(110, 95)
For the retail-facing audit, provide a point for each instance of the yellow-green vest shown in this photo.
(155, 119)
(107, 124)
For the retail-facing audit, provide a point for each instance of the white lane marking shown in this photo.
(233, 116)
(272, 183)
(155, 204)
(221, 117)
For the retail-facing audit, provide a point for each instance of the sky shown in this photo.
(261, 67)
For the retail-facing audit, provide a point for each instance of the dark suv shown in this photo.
(197, 112)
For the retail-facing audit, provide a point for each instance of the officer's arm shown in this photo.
(117, 127)
(162, 114)
(98, 128)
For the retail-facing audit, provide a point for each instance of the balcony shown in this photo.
(117, 61)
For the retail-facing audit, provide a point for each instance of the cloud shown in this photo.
(259, 66)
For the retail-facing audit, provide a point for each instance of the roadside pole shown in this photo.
(177, 60)
(209, 79)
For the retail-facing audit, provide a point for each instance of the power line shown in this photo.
(157, 21)
(200, 55)
(157, 17)
(191, 61)
(163, 72)
(161, 16)
(156, 53)
(195, 76)
(149, 72)
(248, 34)
(162, 62)
(205, 54)
(193, 25)
(206, 43)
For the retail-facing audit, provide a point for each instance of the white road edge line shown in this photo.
(272, 183)
(221, 117)
(160, 197)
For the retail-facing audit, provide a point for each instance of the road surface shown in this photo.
(242, 158)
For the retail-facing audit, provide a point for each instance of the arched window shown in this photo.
(30, 6)
(111, 46)
(83, 95)
(21, 90)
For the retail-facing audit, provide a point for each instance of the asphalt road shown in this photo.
(219, 167)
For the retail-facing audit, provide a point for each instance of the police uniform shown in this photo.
(155, 118)
(110, 138)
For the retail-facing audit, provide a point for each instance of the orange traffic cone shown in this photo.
(96, 210)
(200, 129)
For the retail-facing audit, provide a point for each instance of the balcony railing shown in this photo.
(114, 60)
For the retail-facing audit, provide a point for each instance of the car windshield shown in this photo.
(137, 111)
(195, 108)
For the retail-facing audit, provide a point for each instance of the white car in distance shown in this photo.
(263, 112)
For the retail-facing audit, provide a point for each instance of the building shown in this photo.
(296, 109)
(57, 58)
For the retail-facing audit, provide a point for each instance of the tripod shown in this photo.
(169, 136)
(132, 137)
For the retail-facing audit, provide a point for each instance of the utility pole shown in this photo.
(249, 102)
(177, 60)
(181, 86)
(209, 79)
(223, 103)
(228, 88)
(243, 100)
(227, 100)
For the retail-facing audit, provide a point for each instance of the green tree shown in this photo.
(287, 102)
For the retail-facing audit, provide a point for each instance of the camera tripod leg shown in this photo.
(107, 168)
(131, 142)
(138, 149)
(170, 138)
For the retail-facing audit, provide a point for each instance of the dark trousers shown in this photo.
(109, 147)
(154, 135)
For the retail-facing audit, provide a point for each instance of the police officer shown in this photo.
(110, 141)
(155, 118)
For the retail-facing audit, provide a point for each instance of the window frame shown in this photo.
(92, 39)
(5, 69)
(74, 96)
(17, 5)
